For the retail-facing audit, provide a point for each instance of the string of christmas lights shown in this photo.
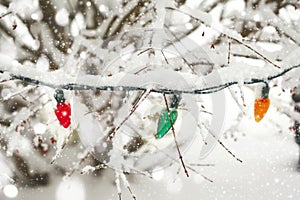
(205, 90)
(63, 110)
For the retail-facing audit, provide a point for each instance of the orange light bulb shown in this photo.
(261, 107)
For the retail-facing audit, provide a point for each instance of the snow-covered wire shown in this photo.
(205, 90)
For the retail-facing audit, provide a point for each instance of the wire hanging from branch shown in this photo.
(205, 90)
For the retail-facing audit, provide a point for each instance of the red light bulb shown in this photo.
(63, 113)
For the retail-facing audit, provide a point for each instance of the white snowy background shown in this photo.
(267, 149)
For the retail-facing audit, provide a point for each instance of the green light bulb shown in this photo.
(164, 124)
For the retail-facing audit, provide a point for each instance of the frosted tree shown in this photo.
(130, 86)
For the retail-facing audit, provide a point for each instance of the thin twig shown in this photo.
(235, 39)
(162, 52)
(202, 165)
(255, 51)
(221, 143)
(174, 136)
(141, 98)
(127, 185)
(117, 181)
(5, 14)
(229, 52)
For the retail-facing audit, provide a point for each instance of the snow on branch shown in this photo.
(246, 75)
